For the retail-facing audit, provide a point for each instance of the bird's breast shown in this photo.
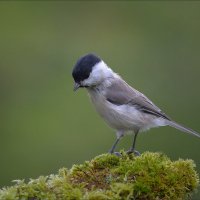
(118, 117)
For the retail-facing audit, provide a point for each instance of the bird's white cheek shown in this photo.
(91, 81)
(100, 73)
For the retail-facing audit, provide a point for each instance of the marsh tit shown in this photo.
(121, 106)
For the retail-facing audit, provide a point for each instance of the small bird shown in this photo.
(121, 106)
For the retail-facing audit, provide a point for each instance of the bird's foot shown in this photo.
(136, 153)
(118, 154)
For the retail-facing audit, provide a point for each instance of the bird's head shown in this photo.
(90, 71)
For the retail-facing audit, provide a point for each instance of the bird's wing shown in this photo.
(120, 93)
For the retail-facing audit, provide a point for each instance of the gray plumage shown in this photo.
(120, 93)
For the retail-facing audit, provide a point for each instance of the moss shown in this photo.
(149, 176)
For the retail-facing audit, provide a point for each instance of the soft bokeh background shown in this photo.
(155, 46)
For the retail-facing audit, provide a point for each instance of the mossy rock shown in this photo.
(151, 176)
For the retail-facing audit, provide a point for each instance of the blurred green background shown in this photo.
(154, 46)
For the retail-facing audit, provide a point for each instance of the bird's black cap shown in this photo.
(83, 67)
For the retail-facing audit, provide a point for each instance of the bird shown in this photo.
(123, 108)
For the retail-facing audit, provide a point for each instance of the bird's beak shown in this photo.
(76, 86)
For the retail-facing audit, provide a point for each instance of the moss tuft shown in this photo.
(149, 176)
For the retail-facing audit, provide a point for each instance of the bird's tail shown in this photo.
(183, 128)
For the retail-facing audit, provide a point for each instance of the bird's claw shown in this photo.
(136, 153)
(118, 154)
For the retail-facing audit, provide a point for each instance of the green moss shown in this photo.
(149, 176)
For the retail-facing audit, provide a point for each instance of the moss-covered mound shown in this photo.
(149, 176)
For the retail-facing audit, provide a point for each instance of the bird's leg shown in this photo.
(119, 136)
(132, 149)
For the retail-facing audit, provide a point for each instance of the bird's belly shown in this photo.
(120, 117)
